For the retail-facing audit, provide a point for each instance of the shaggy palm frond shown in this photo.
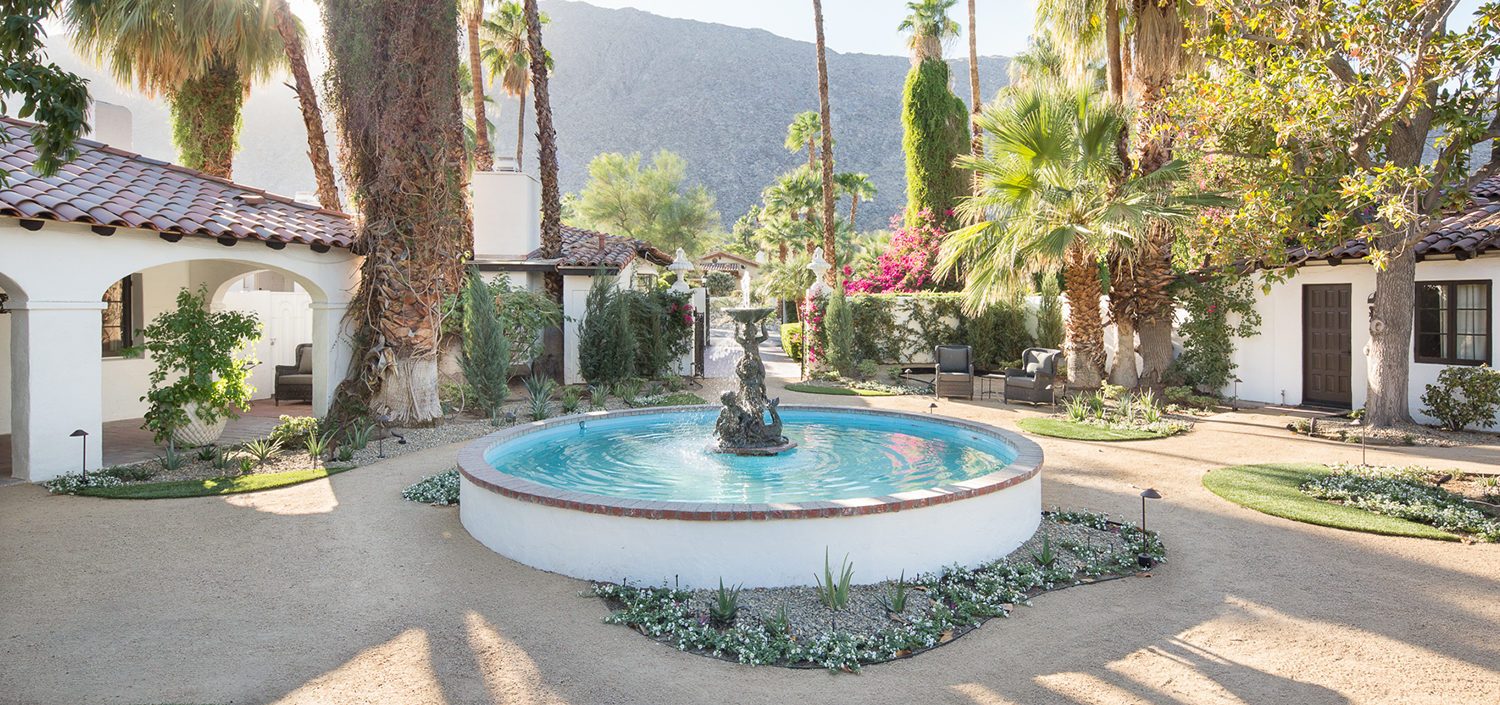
(157, 45)
(929, 27)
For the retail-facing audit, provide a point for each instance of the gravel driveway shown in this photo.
(338, 591)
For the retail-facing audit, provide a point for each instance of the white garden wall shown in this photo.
(1270, 363)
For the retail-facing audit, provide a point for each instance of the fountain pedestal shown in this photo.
(743, 427)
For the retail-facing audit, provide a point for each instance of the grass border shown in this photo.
(213, 486)
(1272, 488)
(1074, 431)
(837, 391)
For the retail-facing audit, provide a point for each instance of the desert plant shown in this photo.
(172, 460)
(1149, 406)
(598, 397)
(358, 435)
(726, 605)
(570, 399)
(628, 390)
(344, 453)
(1046, 555)
(834, 592)
(1077, 408)
(1463, 397)
(262, 450)
(895, 600)
(223, 459)
(780, 623)
(318, 445)
(201, 362)
(207, 453)
(292, 432)
(539, 390)
(246, 466)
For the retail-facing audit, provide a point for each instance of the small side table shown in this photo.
(987, 384)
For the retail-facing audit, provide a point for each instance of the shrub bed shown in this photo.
(1406, 493)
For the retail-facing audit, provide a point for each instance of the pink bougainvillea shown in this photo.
(906, 265)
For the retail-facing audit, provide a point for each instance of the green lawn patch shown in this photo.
(837, 391)
(1072, 430)
(213, 486)
(1273, 488)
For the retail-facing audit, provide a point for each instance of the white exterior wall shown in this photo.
(1270, 363)
(51, 370)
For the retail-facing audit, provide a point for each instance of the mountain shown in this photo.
(630, 81)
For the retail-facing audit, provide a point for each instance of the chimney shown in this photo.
(507, 215)
(111, 124)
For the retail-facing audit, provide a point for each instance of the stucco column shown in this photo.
(331, 352)
(56, 387)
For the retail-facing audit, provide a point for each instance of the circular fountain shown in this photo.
(752, 492)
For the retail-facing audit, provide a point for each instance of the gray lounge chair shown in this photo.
(294, 382)
(954, 374)
(1035, 381)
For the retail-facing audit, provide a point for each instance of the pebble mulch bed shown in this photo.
(1070, 548)
(1342, 428)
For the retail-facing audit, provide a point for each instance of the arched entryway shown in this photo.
(10, 295)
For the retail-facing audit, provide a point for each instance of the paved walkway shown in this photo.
(338, 591)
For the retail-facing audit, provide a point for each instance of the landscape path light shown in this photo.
(84, 468)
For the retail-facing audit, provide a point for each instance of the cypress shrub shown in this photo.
(1049, 315)
(485, 357)
(838, 322)
(606, 343)
(935, 127)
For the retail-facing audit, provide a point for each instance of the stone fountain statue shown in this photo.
(742, 427)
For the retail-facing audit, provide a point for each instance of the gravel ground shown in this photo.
(1339, 428)
(866, 613)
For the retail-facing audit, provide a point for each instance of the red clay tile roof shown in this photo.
(1468, 233)
(580, 248)
(111, 187)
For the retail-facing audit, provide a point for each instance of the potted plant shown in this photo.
(201, 375)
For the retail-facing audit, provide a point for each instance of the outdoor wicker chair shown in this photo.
(295, 381)
(955, 371)
(1034, 382)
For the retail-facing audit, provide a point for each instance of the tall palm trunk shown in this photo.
(410, 188)
(976, 145)
(829, 220)
(853, 209)
(307, 100)
(520, 126)
(484, 155)
(1084, 345)
(1114, 69)
(546, 138)
(206, 118)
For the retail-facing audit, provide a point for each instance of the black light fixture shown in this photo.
(84, 468)
(385, 420)
(1144, 559)
(1359, 424)
(932, 407)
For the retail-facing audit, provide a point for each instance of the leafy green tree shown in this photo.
(935, 131)
(57, 100)
(654, 203)
(1052, 198)
(202, 362)
(1345, 121)
(486, 348)
(606, 343)
(203, 56)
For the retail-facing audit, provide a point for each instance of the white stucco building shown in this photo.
(1315, 326)
(92, 254)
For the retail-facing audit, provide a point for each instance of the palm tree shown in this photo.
(859, 188)
(1053, 197)
(829, 219)
(307, 99)
(202, 56)
(473, 14)
(803, 132)
(929, 26)
(546, 138)
(976, 145)
(403, 155)
(503, 49)
(781, 232)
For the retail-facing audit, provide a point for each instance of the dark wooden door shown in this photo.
(1326, 344)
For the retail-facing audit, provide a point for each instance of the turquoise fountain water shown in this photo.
(673, 456)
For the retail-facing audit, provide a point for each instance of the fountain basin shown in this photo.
(638, 495)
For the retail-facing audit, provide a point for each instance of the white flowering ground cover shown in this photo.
(439, 490)
(1406, 493)
(1071, 548)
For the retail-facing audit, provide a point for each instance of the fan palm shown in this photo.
(502, 49)
(858, 187)
(203, 56)
(803, 133)
(1054, 197)
(826, 185)
(928, 26)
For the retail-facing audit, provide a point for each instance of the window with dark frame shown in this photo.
(1453, 322)
(120, 310)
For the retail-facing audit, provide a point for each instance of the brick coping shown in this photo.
(472, 464)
